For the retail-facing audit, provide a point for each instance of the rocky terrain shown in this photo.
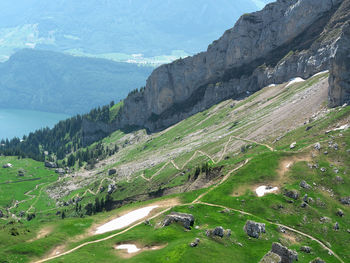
(286, 39)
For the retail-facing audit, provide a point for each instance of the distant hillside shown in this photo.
(153, 27)
(54, 82)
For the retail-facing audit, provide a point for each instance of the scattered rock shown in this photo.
(187, 220)
(317, 260)
(253, 229)
(60, 171)
(195, 243)
(50, 164)
(306, 249)
(1, 214)
(293, 145)
(335, 146)
(336, 170)
(303, 204)
(22, 214)
(271, 257)
(219, 231)
(325, 219)
(323, 169)
(339, 179)
(111, 188)
(317, 146)
(102, 189)
(21, 172)
(287, 255)
(225, 211)
(112, 171)
(340, 213)
(345, 200)
(325, 153)
(7, 165)
(228, 232)
(292, 194)
(336, 226)
(305, 185)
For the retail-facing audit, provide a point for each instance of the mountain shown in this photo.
(54, 82)
(287, 39)
(152, 27)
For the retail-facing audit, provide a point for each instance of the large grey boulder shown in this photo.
(271, 257)
(294, 194)
(287, 255)
(50, 164)
(345, 200)
(305, 185)
(219, 231)
(187, 220)
(254, 229)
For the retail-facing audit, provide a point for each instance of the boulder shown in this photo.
(111, 188)
(345, 200)
(195, 243)
(253, 229)
(7, 165)
(306, 249)
(112, 171)
(323, 169)
(305, 185)
(317, 146)
(60, 171)
(219, 231)
(187, 220)
(317, 260)
(287, 255)
(50, 164)
(294, 194)
(293, 145)
(271, 258)
(336, 226)
(340, 213)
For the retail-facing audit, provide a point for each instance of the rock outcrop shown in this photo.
(287, 39)
(254, 229)
(287, 255)
(271, 257)
(187, 220)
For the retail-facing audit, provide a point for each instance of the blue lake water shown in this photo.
(20, 122)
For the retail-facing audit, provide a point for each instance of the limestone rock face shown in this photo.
(287, 39)
(339, 80)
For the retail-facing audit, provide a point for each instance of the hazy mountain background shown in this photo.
(120, 27)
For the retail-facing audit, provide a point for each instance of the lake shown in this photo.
(19, 122)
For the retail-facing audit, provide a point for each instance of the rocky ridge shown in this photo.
(286, 39)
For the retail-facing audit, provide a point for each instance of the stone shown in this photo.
(305, 185)
(254, 229)
(303, 204)
(336, 226)
(50, 164)
(293, 145)
(7, 165)
(187, 220)
(195, 243)
(345, 200)
(228, 232)
(339, 179)
(340, 213)
(111, 188)
(317, 146)
(317, 260)
(21, 214)
(112, 171)
(294, 194)
(306, 249)
(325, 153)
(271, 257)
(325, 219)
(60, 171)
(323, 169)
(336, 170)
(287, 255)
(102, 189)
(219, 231)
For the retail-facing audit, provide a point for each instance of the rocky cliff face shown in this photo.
(288, 38)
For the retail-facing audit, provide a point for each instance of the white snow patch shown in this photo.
(131, 248)
(262, 190)
(295, 80)
(125, 220)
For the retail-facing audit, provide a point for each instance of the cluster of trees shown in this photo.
(63, 139)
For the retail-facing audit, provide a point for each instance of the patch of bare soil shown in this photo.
(123, 253)
(44, 232)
